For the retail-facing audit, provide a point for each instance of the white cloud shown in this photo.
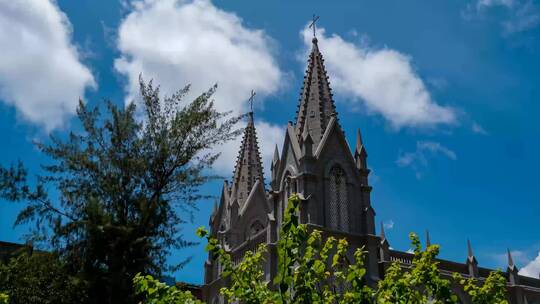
(532, 269)
(179, 42)
(478, 129)
(40, 69)
(418, 160)
(176, 43)
(524, 16)
(388, 224)
(383, 80)
(520, 15)
(489, 3)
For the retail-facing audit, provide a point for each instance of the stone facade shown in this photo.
(316, 162)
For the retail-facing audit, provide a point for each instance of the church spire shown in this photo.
(316, 104)
(248, 164)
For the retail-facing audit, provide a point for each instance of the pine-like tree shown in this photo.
(114, 195)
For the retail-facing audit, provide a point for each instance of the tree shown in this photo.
(492, 291)
(39, 278)
(4, 298)
(123, 185)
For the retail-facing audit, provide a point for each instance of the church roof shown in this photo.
(316, 104)
(248, 164)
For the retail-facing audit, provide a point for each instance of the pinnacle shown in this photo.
(510, 260)
(383, 235)
(275, 159)
(359, 142)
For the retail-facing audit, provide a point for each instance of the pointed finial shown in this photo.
(469, 248)
(251, 98)
(313, 26)
(510, 260)
(383, 235)
(428, 241)
(359, 142)
(276, 155)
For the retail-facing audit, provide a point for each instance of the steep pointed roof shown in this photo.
(316, 104)
(248, 164)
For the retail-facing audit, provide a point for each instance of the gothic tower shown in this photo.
(317, 163)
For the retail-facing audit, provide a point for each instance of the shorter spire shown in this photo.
(469, 249)
(428, 241)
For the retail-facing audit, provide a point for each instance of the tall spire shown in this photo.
(248, 164)
(316, 104)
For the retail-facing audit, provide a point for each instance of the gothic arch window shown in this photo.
(338, 211)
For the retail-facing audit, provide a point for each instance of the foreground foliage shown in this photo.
(39, 278)
(157, 292)
(4, 299)
(314, 269)
(113, 196)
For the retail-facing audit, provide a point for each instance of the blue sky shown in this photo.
(445, 92)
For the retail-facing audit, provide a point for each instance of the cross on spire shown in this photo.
(313, 25)
(251, 98)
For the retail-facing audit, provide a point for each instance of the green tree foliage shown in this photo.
(39, 278)
(155, 292)
(314, 269)
(114, 194)
(4, 299)
(422, 284)
(493, 290)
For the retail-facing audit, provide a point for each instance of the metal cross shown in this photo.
(251, 99)
(312, 25)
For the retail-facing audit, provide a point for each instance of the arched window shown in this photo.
(338, 213)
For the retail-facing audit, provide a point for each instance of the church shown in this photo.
(316, 162)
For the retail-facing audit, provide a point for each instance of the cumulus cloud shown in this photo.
(383, 80)
(179, 42)
(532, 269)
(418, 160)
(40, 69)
